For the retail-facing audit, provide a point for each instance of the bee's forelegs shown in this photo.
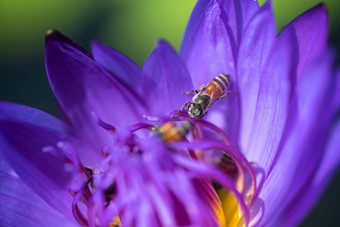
(185, 105)
(190, 92)
(203, 115)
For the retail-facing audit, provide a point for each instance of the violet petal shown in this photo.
(22, 113)
(19, 205)
(206, 48)
(165, 79)
(311, 33)
(238, 14)
(82, 87)
(271, 110)
(302, 150)
(17, 112)
(298, 209)
(255, 48)
(119, 65)
(311, 166)
(192, 24)
(22, 140)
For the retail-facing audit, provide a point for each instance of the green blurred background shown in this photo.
(132, 27)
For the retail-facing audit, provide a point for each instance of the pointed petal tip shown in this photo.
(94, 43)
(267, 4)
(161, 43)
(322, 6)
(50, 31)
(54, 35)
(318, 9)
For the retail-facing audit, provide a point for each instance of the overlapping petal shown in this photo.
(206, 47)
(19, 206)
(24, 132)
(294, 165)
(311, 34)
(297, 209)
(237, 16)
(119, 65)
(165, 80)
(255, 49)
(83, 87)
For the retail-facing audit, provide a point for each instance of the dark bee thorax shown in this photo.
(202, 100)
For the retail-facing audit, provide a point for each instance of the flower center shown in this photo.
(166, 174)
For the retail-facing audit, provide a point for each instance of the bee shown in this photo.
(89, 181)
(206, 96)
(109, 192)
(227, 166)
(169, 132)
(114, 224)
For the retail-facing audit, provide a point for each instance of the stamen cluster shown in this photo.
(146, 180)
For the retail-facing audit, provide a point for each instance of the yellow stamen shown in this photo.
(231, 210)
(116, 222)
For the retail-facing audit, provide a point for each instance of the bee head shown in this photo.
(195, 110)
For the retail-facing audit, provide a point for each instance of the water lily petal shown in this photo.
(165, 79)
(22, 141)
(82, 87)
(17, 112)
(305, 132)
(315, 171)
(320, 119)
(206, 48)
(19, 206)
(271, 107)
(255, 48)
(297, 210)
(22, 113)
(118, 64)
(311, 31)
(238, 14)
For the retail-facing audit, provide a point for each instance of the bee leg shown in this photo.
(224, 95)
(202, 87)
(185, 105)
(190, 92)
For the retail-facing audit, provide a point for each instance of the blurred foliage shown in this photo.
(23, 23)
(135, 26)
(130, 26)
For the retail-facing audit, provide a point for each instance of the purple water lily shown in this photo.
(262, 156)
